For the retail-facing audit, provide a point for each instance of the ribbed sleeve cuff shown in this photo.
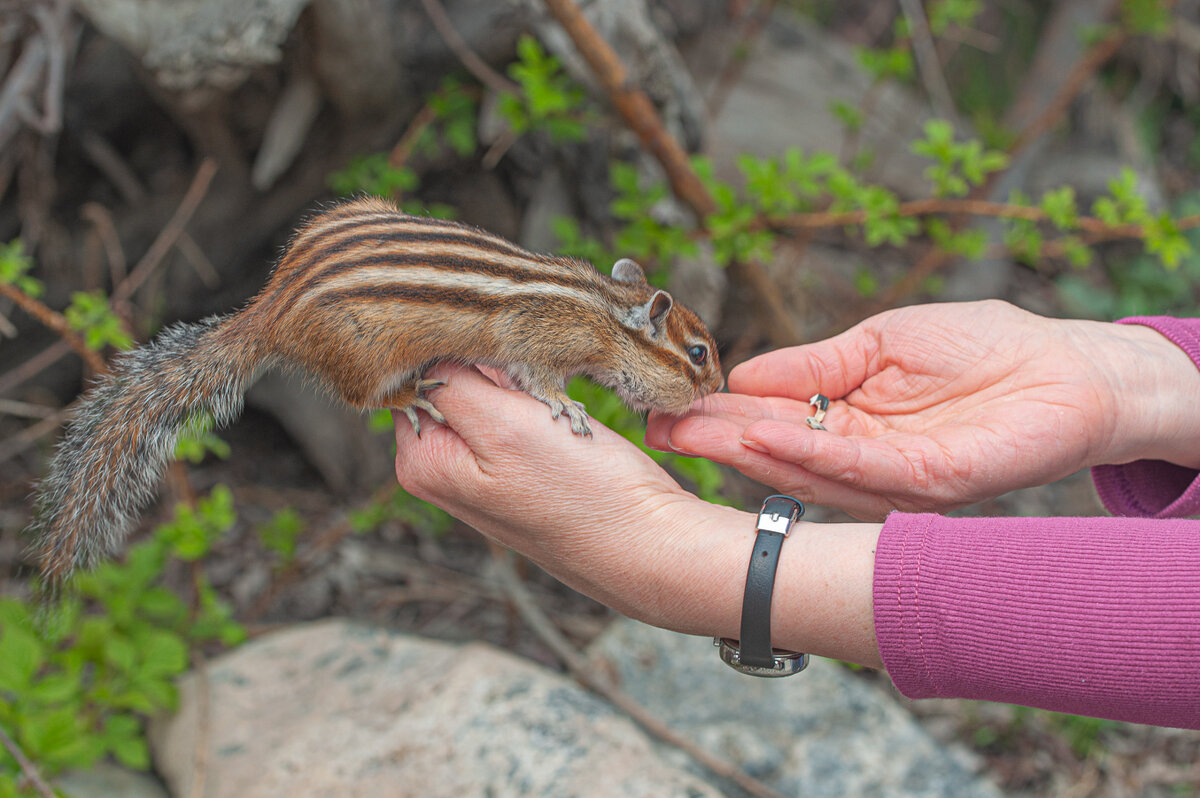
(1151, 488)
(1093, 616)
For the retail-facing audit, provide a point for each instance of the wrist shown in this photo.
(1154, 384)
(822, 600)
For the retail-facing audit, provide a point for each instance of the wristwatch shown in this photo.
(752, 654)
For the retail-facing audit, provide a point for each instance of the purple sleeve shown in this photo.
(1093, 616)
(1152, 488)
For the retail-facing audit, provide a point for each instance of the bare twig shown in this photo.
(592, 678)
(735, 63)
(170, 233)
(25, 409)
(19, 83)
(101, 219)
(203, 724)
(474, 64)
(55, 322)
(927, 60)
(29, 368)
(1092, 60)
(968, 207)
(642, 118)
(27, 437)
(53, 25)
(936, 258)
(104, 156)
(408, 140)
(28, 769)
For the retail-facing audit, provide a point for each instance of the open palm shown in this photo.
(933, 407)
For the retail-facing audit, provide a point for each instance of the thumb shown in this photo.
(833, 367)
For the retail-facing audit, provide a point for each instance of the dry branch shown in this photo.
(170, 233)
(968, 207)
(56, 323)
(642, 118)
(28, 769)
(936, 258)
(474, 64)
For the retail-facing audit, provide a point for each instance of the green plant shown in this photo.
(607, 408)
(78, 679)
(405, 508)
(90, 314)
(279, 535)
(373, 174)
(15, 266)
(197, 440)
(455, 110)
(548, 99)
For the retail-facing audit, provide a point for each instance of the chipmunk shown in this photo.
(365, 299)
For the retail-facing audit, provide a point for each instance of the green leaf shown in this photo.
(57, 688)
(162, 654)
(1059, 206)
(123, 737)
(1151, 17)
(374, 175)
(281, 532)
(91, 315)
(14, 268)
(1164, 239)
(850, 117)
(21, 655)
(120, 653)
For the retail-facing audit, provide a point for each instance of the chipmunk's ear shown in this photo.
(651, 315)
(627, 271)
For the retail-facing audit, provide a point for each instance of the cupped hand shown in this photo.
(597, 513)
(934, 407)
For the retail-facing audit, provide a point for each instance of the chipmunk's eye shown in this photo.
(698, 354)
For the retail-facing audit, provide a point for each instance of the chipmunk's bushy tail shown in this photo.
(124, 432)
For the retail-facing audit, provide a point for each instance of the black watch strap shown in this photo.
(756, 603)
(753, 654)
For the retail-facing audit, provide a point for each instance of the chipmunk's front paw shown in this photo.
(575, 411)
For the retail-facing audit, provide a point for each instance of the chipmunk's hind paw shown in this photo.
(410, 398)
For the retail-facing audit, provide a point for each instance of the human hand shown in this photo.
(597, 513)
(605, 519)
(938, 406)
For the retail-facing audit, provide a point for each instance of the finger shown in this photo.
(437, 458)
(736, 408)
(718, 440)
(833, 367)
(867, 464)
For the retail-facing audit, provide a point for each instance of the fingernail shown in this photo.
(755, 445)
(676, 450)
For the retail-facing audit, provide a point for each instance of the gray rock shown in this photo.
(337, 709)
(107, 780)
(198, 43)
(824, 732)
